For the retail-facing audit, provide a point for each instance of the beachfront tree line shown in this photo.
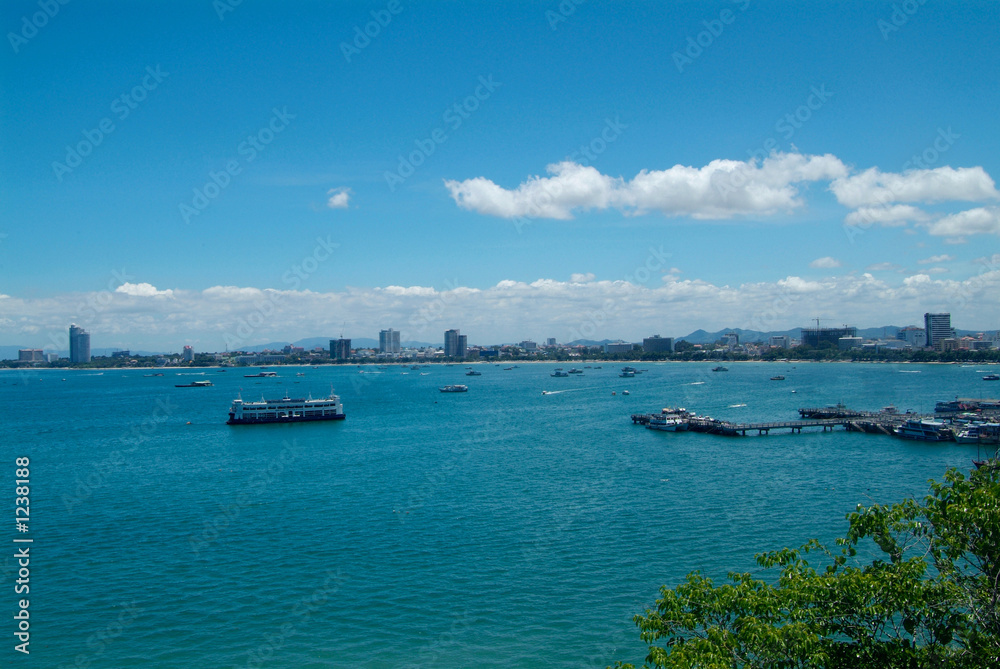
(928, 598)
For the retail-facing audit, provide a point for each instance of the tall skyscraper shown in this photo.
(188, 354)
(938, 328)
(340, 349)
(79, 344)
(455, 344)
(388, 341)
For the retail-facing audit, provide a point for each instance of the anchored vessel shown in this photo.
(924, 430)
(455, 388)
(261, 375)
(196, 384)
(285, 410)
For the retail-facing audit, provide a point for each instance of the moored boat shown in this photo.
(259, 375)
(285, 410)
(924, 430)
(454, 388)
(196, 384)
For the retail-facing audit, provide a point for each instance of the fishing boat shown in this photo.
(473, 372)
(559, 372)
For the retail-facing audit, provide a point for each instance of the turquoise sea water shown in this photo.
(495, 528)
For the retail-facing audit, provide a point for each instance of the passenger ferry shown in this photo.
(285, 410)
(924, 430)
(455, 388)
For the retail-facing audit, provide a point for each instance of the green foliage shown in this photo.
(928, 599)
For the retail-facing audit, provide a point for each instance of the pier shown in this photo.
(868, 422)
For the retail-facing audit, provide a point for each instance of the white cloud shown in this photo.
(339, 198)
(936, 259)
(509, 311)
(720, 190)
(938, 270)
(979, 221)
(825, 263)
(874, 187)
(890, 215)
(582, 278)
(882, 267)
(142, 290)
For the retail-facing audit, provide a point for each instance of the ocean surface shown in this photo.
(495, 528)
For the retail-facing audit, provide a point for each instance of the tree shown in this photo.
(929, 598)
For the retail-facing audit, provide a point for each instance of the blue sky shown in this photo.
(506, 229)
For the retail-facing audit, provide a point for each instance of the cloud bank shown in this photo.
(725, 189)
(219, 317)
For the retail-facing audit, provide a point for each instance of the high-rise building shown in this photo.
(938, 328)
(340, 349)
(456, 344)
(816, 336)
(551, 341)
(31, 355)
(780, 341)
(188, 354)
(658, 344)
(388, 341)
(528, 345)
(79, 344)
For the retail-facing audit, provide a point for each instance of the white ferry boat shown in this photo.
(924, 430)
(455, 388)
(667, 423)
(285, 410)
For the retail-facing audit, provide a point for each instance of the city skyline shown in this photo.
(669, 168)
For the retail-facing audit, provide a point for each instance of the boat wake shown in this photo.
(736, 406)
(694, 383)
(910, 371)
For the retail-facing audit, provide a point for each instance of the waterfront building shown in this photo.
(30, 355)
(816, 336)
(658, 344)
(551, 341)
(259, 359)
(528, 345)
(914, 336)
(188, 354)
(456, 344)
(388, 342)
(938, 328)
(846, 343)
(780, 341)
(340, 349)
(79, 344)
(618, 347)
(731, 340)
